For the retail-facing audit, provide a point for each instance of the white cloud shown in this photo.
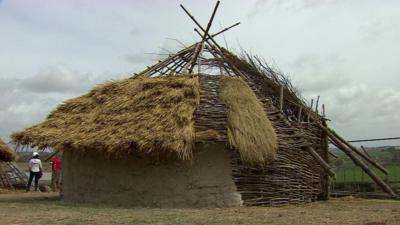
(56, 79)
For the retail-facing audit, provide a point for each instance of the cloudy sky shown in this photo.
(345, 51)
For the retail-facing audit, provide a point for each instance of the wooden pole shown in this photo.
(299, 114)
(365, 151)
(281, 99)
(321, 161)
(316, 105)
(333, 135)
(361, 164)
(374, 163)
(186, 50)
(223, 30)
(323, 110)
(218, 48)
(309, 112)
(198, 50)
(333, 155)
(147, 71)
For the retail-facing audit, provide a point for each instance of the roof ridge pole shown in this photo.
(212, 40)
(218, 50)
(200, 45)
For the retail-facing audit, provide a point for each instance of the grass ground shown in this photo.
(45, 208)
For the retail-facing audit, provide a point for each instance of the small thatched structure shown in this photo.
(6, 154)
(10, 175)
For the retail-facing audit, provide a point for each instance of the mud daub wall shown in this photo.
(139, 182)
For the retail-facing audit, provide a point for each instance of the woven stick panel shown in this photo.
(295, 176)
(211, 111)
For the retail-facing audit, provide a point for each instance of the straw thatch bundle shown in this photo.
(6, 154)
(249, 129)
(149, 115)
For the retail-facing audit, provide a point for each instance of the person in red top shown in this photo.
(56, 173)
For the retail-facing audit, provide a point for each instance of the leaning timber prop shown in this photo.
(374, 163)
(321, 161)
(360, 163)
(350, 151)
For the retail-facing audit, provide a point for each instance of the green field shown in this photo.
(356, 174)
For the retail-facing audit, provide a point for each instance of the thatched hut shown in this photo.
(6, 154)
(236, 132)
(10, 175)
(178, 139)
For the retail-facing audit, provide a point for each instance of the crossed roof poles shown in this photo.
(185, 60)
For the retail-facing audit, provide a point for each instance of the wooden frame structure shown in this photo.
(303, 133)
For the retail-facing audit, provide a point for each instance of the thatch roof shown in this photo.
(249, 129)
(148, 115)
(6, 154)
(153, 116)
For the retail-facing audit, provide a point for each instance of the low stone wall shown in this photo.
(139, 182)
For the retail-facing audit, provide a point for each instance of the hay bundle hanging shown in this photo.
(6, 154)
(249, 129)
(149, 115)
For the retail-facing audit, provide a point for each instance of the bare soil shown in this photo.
(45, 208)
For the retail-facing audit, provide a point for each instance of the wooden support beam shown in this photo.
(148, 70)
(321, 161)
(365, 151)
(223, 30)
(299, 113)
(217, 47)
(200, 45)
(333, 155)
(309, 111)
(361, 164)
(316, 105)
(281, 99)
(331, 132)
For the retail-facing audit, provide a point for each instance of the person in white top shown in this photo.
(35, 171)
